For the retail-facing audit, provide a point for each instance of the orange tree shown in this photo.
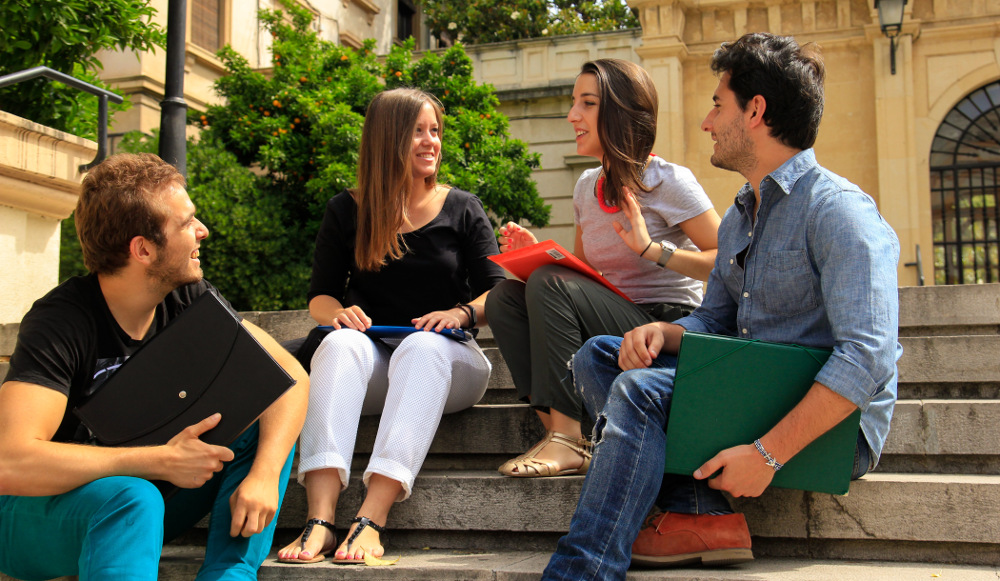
(287, 140)
(483, 21)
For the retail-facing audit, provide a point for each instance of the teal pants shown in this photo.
(114, 528)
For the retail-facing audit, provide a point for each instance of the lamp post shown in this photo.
(173, 108)
(890, 19)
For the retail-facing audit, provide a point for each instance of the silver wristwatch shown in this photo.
(667, 250)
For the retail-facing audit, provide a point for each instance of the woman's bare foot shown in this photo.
(367, 542)
(318, 543)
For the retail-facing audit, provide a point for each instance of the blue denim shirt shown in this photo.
(819, 271)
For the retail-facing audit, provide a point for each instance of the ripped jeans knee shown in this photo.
(598, 433)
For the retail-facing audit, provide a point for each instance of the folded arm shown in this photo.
(31, 464)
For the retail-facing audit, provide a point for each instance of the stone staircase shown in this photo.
(934, 498)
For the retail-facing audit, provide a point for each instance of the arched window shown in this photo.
(965, 190)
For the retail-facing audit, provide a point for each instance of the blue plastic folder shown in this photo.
(731, 391)
(391, 332)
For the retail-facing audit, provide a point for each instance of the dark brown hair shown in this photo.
(789, 77)
(626, 121)
(121, 198)
(385, 173)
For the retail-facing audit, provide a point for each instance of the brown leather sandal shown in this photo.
(528, 466)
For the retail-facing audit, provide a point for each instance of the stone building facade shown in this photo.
(878, 127)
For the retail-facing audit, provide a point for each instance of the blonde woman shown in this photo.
(400, 249)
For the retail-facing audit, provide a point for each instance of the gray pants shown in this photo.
(540, 324)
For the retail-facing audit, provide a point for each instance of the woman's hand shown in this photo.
(439, 320)
(638, 237)
(352, 317)
(513, 237)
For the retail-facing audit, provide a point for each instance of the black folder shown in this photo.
(204, 361)
(730, 391)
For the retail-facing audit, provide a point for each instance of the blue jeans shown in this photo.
(630, 410)
(114, 528)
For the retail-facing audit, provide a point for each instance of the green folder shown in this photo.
(731, 391)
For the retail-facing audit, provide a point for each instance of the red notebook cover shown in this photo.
(523, 261)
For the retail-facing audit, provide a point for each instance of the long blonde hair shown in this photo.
(385, 173)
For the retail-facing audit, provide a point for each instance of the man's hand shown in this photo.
(191, 462)
(640, 346)
(253, 505)
(744, 471)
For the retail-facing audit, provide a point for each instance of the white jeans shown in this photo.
(411, 386)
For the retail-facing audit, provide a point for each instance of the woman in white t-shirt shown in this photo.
(644, 223)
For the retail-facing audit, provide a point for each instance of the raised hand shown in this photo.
(638, 237)
(513, 237)
(190, 462)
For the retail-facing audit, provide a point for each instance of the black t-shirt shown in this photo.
(446, 262)
(70, 342)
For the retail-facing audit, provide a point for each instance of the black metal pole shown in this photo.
(173, 108)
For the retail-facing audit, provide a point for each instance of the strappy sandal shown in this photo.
(305, 537)
(531, 467)
(363, 522)
(509, 464)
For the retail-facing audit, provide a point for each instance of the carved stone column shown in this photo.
(39, 186)
(663, 52)
(899, 197)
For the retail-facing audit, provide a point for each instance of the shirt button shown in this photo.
(730, 261)
(744, 331)
(746, 296)
(750, 233)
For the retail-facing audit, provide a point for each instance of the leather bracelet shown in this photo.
(769, 458)
(641, 254)
(470, 311)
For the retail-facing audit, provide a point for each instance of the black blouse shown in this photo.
(445, 264)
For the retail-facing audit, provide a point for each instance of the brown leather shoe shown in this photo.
(671, 539)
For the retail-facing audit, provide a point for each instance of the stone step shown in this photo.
(182, 562)
(962, 436)
(942, 518)
(972, 309)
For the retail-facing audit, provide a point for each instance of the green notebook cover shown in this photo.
(731, 391)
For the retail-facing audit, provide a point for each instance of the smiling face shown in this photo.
(426, 147)
(177, 261)
(583, 116)
(727, 123)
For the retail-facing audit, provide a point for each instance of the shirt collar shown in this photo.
(784, 177)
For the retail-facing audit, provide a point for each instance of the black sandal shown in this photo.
(305, 537)
(363, 522)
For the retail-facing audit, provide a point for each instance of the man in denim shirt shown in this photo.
(804, 257)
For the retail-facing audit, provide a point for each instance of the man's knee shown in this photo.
(133, 500)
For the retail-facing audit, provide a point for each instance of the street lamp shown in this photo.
(890, 19)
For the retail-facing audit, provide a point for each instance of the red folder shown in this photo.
(523, 261)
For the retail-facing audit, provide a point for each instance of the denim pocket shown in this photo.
(788, 282)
